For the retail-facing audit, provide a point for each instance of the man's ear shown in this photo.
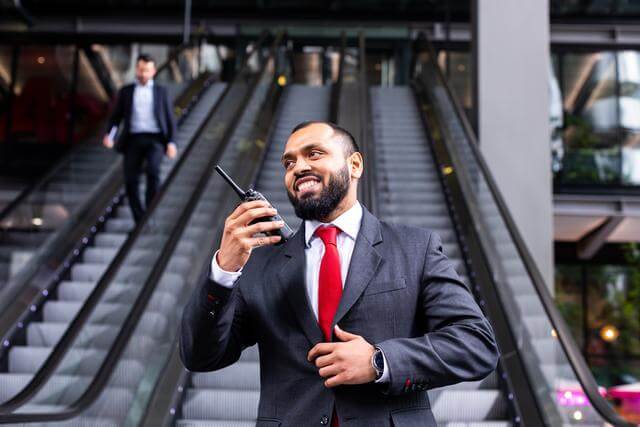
(356, 165)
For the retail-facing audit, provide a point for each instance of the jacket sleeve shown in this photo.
(458, 345)
(118, 112)
(215, 327)
(170, 117)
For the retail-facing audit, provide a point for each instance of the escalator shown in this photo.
(409, 192)
(543, 377)
(37, 225)
(121, 328)
(67, 291)
(41, 335)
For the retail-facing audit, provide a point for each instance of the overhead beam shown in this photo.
(593, 241)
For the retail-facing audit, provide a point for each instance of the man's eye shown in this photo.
(314, 154)
(288, 164)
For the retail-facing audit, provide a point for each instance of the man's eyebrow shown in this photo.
(307, 147)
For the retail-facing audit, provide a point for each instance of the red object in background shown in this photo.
(32, 112)
(40, 115)
(629, 397)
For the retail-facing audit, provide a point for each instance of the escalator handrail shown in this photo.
(73, 330)
(17, 301)
(47, 176)
(573, 353)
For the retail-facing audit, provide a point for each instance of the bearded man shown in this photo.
(355, 318)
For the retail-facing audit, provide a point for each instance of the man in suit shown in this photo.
(148, 129)
(354, 318)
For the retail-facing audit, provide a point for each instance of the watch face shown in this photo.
(379, 361)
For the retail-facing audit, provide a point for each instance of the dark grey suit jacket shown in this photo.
(162, 110)
(401, 294)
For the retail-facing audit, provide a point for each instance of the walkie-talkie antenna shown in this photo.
(233, 185)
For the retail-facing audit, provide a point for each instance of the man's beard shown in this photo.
(320, 207)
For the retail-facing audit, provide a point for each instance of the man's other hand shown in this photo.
(238, 237)
(346, 362)
(107, 141)
(172, 150)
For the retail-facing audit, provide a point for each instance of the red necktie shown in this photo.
(330, 280)
(329, 286)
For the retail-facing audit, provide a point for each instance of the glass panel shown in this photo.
(591, 152)
(629, 105)
(459, 77)
(613, 327)
(40, 117)
(119, 61)
(179, 72)
(6, 53)
(43, 83)
(569, 292)
(607, 9)
(91, 103)
(556, 386)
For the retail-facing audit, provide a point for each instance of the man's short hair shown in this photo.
(145, 57)
(347, 140)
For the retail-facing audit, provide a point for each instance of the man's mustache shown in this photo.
(304, 175)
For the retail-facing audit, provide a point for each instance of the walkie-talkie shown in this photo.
(250, 195)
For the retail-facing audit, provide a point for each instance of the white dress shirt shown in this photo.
(349, 224)
(143, 119)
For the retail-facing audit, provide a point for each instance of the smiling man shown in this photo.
(355, 318)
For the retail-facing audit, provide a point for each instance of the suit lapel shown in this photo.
(291, 278)
(129, 103)
(364, 263)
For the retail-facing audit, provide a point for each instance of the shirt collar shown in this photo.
(149, 84)
(348, 222)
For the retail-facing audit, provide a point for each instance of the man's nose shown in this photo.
(301, 166)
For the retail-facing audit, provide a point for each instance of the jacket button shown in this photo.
(324, 420)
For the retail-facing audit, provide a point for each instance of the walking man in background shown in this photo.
(148, 128)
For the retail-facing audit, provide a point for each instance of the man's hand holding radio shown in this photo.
(238, 237)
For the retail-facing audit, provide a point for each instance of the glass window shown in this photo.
(601, 305)
(460, 76)
(6, 53)
(629, 107)
(40, 113)
(591, 153)
(608, 318)
(569, 299)
(91, 102)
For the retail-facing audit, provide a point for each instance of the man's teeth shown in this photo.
(306, 185)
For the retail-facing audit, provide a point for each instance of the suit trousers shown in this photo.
(147, 149)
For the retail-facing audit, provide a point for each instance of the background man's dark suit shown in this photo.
(122, 114)
(140, 147)
(401, 294)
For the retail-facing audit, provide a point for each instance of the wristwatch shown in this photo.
(377, 362)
